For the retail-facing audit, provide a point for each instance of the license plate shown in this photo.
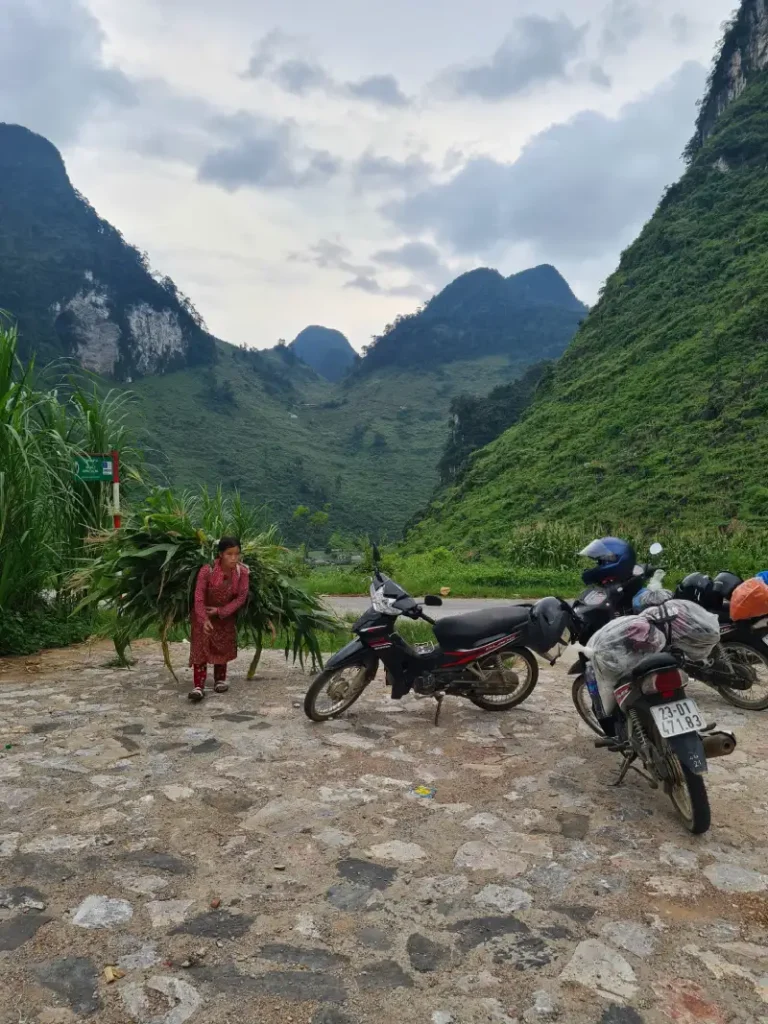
(677, 717)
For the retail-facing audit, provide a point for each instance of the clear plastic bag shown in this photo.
(618, 647)
(694, 631)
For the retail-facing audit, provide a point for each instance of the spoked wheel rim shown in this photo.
(583, 702)
(510, 664)
(341, 689)
(679, 794)
(757, 696)
(688, 793)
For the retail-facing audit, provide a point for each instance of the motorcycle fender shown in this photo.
(690, 751)
(354, 653)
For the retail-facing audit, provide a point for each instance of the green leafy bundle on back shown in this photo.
(147, 572)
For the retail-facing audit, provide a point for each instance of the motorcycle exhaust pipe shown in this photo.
(719, 744)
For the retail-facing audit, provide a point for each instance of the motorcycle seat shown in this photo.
(462, 631)
(653, 663)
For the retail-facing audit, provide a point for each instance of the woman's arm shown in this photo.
(201, 588)
(240, 597)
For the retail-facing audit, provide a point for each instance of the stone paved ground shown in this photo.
(240, 864)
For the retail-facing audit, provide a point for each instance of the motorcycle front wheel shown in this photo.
(754, 660)
(583, 703)
(688, 793)
(518, 666)
(335, 690)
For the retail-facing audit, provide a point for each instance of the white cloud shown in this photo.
(151, 108)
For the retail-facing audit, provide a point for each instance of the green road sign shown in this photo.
(93, 468)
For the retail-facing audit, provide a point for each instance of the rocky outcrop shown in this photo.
(744, 53)
(73, 284)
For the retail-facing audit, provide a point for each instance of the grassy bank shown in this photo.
(542, 559)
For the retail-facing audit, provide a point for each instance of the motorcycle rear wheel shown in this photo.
(583, 703)
(753, 657)
(342, 686)
(689, 798)
(518, 660)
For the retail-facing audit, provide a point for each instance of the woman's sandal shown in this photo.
(221, 687)
(197, 694)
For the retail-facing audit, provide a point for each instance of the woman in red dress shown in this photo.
(220, 592)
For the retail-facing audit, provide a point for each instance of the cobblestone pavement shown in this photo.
(232, 862)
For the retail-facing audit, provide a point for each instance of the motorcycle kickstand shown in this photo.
(439, 698)
(628, 759)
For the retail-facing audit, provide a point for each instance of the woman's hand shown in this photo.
(207, 627)
(211, 611)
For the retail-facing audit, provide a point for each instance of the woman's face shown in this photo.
(230, 558)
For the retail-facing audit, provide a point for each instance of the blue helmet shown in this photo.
(615, 561)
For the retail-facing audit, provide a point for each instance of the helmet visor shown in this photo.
(599, 551)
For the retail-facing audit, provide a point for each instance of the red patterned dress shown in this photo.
(227, 593)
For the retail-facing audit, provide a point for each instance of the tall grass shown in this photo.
(45, 512)
(542, 558)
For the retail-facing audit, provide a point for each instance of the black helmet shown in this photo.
(548, 625)
(725, 583)
(615, 560)
(696, 587)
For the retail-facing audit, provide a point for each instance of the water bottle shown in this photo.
(594, 693)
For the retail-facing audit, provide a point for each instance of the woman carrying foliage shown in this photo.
(220, 592)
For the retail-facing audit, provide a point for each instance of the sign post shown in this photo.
(102, 469)
(116, 519)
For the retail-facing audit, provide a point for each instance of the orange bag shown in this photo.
(750, 600)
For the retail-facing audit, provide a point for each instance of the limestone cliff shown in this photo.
(73, 284)
(743, 54)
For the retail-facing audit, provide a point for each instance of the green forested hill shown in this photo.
(533, 314)
(658, 411)
(284, 437)
(328, 352)
(73, 284)
(362, 445)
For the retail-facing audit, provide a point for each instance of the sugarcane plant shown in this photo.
(146, 573)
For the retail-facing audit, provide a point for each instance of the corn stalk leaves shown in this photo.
(147, 571)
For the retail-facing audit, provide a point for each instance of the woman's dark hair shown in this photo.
(228, 542)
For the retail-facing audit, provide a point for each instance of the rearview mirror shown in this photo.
(655, 548)
(433, 600)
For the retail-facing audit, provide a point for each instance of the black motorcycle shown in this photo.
(725, 670)
(485, 656)
(745, 643)
(656, 723)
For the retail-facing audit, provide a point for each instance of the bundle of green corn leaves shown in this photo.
(146, 572)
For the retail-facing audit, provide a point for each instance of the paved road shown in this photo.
(451, 605)
(239, 863)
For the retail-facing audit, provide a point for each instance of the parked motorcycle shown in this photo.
(726, 669)
(656, 723)
(745, 643)
(485, 656)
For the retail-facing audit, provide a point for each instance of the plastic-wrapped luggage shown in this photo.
(650, 597)
(694, 631)
(749, 600)
(618, 647)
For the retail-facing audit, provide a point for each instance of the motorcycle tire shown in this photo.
(691, 800)
(740, 698)
(582, 701)
(346, 698)
(501, 703)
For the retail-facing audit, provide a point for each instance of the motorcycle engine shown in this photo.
(426, 684)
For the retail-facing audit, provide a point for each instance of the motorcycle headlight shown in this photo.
(381, 604)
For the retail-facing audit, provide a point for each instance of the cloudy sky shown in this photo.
(293, 162)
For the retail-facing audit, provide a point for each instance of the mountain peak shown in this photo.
(22, 151)
(529, 316)
(543, 285)
(73, 284)
(326, 350)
